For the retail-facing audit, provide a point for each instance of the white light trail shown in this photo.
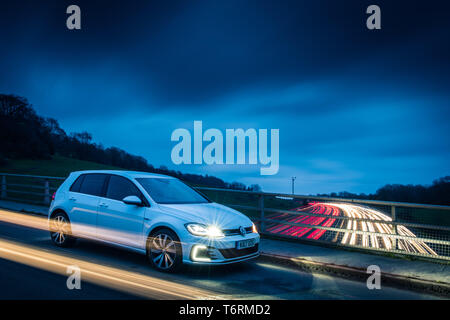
(387, 242)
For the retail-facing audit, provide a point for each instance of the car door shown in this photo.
(119, 222)
(84, 197)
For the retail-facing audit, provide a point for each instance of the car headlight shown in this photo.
(202, 230)
(254, 230)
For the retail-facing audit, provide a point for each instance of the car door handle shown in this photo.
(104, 205)
(73, 199)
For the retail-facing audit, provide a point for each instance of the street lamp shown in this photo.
(293, 179)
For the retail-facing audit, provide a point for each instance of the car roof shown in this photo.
(125, 173)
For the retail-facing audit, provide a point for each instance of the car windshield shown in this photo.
(170, 191)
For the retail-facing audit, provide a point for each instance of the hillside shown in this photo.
(57, 166)
(30, 143)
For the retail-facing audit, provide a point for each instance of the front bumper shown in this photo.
(199, 250)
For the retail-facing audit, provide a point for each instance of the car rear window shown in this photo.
(93, 184)
(77, 184)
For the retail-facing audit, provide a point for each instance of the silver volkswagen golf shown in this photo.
(153, 214)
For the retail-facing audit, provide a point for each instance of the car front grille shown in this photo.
(236, 253)
(233, 232)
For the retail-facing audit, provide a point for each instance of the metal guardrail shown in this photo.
(14, 185)
(395, 227)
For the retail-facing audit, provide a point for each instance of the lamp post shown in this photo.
(293, 179)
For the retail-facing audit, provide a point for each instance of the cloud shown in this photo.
(355, 109)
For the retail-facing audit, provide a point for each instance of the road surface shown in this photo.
(31, 267)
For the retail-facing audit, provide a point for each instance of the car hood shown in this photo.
(208, 214)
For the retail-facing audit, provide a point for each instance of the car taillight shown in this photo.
(53, 196)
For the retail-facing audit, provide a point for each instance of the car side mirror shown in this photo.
(132, 200)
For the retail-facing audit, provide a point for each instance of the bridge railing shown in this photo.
(394, 227)
(28, 188)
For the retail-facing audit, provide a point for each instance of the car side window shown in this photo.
(120, 187)
(77, 184)
(92, 184)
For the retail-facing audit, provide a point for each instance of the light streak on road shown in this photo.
(42, 223)
(114, 278)
(353, 213)
(117, 279)
(25, 220)
(85, 231)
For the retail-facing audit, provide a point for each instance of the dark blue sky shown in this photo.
(356, 108)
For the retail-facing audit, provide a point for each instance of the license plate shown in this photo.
(245, 244)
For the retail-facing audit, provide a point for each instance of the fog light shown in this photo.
(200, 253)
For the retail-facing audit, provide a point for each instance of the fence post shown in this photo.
(394, 229)
(262, 224)
(3, 193)
(46, 192)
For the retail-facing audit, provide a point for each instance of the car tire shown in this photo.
(164, 251)
(60, 230)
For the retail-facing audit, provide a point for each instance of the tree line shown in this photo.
(26, 135)
(436, 193)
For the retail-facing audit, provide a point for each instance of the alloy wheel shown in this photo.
(60, 229)
(163, 251)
